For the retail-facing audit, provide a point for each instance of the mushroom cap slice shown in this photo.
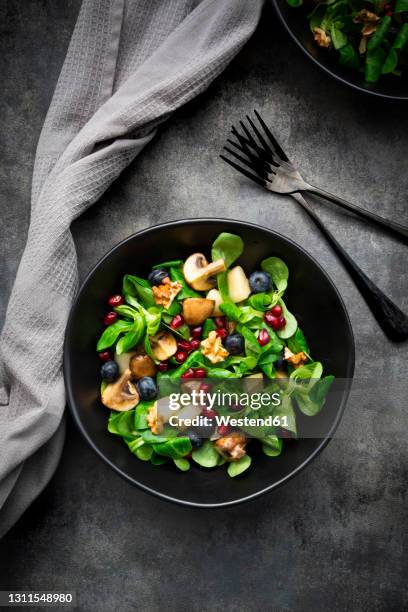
(123, 360)
(121, 395)
(199, 273)
(163, 345)
(142, 365)
(197, 310)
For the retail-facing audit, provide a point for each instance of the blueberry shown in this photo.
(156, 277)
(110, 371)
(260, 282)
(195, 439)
(280, 364)
(147, 388)
(235, 344)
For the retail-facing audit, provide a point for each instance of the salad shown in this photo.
(206, 327)
(370, 37)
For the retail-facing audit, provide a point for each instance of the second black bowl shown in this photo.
(296, 23)
(311, 296)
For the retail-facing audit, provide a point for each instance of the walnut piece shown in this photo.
(232, 446)
(365, 16)
(154, 420)
(368, 29)
(322, 39)
(231, 326)
(212, 348)
(296, 359)
(362, 47)
(165, 293)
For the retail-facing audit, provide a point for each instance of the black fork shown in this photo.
(263, 153)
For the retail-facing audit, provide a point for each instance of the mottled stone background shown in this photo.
(334, 538)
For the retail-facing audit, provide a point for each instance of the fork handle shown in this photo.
(391, 319)
(400, 231)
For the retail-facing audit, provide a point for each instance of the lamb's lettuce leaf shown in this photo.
(291, 323)
(272, 445)
(278, 271)
(237, 467)
(174, 263)
(298, 342)
(139, 288)
(227, 247)
(176, 275)
(112, 333)
(206, 455)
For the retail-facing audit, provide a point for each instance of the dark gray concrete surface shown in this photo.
(333, 538)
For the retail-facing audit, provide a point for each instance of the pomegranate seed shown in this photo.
(181, 356)
(263, 337)
(224, 430)
(110, 318)
(269, 317)
(222, 333)
(177, 322)
(284, 433)
(276, 310)
(105, 356)
(282, 322)
(196, 332)
(210, 414)
(206, 387)
(195, 344)
(200, 373)
(163, 366)
(220, 322)
(189, 374)
(116, 300)
(184, 345)
(272, 321)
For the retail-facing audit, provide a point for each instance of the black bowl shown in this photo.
(295, 22)
(312, 297)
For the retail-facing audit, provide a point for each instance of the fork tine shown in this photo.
(266, 152)
(261, 167)
(271, 137)
(245, 172)
(258, 134)
(245, 142)
(256, 159)
(247, 132)
(239, 157)
(249, 145)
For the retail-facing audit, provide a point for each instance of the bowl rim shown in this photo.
(67, 369)
(332, 73)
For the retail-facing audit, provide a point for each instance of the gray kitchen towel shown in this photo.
(129, 65)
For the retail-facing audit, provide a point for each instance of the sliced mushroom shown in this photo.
(197, 310)
(123, 360)
(122, 394)
(199, 273)
(238, 285)
(142, 365)
(163, 345)
(215, 295)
